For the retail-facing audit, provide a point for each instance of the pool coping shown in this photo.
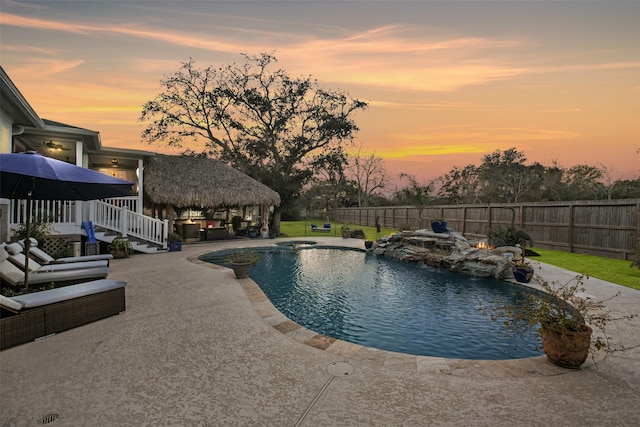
(537, 366)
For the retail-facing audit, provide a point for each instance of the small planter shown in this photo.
(120, 248)
(241, 269)
(175, 246)
(566, 349)
(439, 226)
(252, 234)
(522, 274)
(368, 244)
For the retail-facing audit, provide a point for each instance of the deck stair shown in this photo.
(139, 245)
(146, 234)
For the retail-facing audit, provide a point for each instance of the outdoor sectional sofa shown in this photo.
(27, 317)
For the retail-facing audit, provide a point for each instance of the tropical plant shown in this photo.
(243, 256)
(121, 248)
(174, 238)
(39, 228)
(502, 235)
(415, 194)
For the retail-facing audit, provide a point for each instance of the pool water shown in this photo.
(383, 303)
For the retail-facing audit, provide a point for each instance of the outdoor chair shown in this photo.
(14, 276)
(325, 228)
(27, 317)
(44, 258)
(17, 256)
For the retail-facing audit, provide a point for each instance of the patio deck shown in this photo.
(198, 347)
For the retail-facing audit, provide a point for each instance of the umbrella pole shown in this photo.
(27, 242)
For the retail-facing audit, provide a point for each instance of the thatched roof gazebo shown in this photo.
(184, 182)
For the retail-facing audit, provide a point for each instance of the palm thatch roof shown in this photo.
(184, 181)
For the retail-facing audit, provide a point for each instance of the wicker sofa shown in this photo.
(24, 318)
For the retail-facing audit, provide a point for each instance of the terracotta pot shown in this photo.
(241, 269)
(566, 349)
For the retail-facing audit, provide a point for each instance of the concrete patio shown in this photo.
(196, 347)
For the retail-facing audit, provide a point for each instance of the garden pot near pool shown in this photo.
(523, 274)
(241, 269)
(567, 349)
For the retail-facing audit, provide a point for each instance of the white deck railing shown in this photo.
(52, 211)
(117, 214)
(128, 223)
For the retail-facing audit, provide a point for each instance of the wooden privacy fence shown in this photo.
(604, 227)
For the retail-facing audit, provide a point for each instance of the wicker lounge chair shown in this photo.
(14, 275)
(17, 257)
(27, 317)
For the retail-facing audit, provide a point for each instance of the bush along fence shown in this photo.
(606, 228)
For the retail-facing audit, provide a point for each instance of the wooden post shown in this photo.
(570, 229)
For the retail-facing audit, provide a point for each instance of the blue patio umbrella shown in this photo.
(31, 176)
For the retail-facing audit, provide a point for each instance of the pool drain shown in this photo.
(48, 419)
(340, 369)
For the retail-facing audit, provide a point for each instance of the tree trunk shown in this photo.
(276, 220)
(170, 217)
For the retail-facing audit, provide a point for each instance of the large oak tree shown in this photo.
(274, 127)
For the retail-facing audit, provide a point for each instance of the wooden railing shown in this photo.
(117, 214)
(127, 223)
(52, 211)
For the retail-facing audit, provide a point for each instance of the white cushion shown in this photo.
(9, 272)
(10, 304)
(38, 299)
(20, 260)
(40, 254)
(14, 248)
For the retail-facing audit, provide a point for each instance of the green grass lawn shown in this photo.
(611, 270)
(303, 229)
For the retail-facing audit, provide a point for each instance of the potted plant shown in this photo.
(368, 244)
(346, 231)
(564, 317)
(121, 248)
(174, 241)
(241, 262)
(439, 225)
(522, 270)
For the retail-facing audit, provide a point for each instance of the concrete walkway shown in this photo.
(196, 347)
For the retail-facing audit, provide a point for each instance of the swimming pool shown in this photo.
(387, 304)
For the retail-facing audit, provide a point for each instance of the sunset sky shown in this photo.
(446, 81)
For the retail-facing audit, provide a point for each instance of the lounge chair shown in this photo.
(17, 256)
(325, 228)
(27, 317)
(44, 258)
(14, 276)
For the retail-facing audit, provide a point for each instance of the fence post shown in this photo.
(464, 220)
(570, 226)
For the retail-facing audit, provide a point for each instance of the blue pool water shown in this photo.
(390, 305)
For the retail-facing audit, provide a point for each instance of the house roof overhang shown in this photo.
(16, 106)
